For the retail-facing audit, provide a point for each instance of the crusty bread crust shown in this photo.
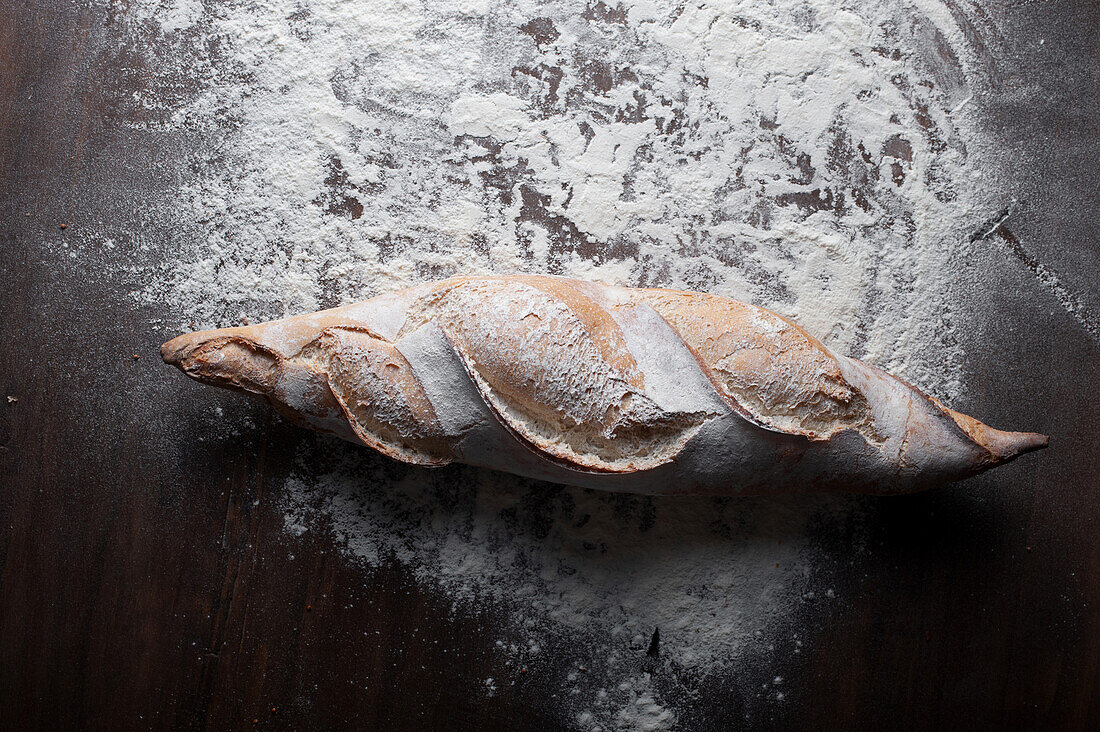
(646, 390)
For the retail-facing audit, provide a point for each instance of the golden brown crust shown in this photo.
(234, 362)
(598, 323)
(383, 399)
(784, 377)
(554, 366)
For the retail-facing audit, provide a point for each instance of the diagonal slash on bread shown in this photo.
(646, 390)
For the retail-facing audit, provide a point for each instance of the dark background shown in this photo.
(146, 580)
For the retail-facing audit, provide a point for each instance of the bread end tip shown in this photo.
(1010, 445)
(174, 351)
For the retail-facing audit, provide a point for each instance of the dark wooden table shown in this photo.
(146, 581)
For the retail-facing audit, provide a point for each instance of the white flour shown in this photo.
(809, 156)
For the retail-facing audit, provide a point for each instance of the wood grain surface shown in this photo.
(146, 580)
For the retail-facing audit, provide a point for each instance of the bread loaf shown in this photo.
(640, 390)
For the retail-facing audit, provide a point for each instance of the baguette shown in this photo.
(638, 390)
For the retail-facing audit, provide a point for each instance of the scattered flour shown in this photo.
(812, 157)
(800, 155)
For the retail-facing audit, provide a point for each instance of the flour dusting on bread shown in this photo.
(556, 369)
(641, 390)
